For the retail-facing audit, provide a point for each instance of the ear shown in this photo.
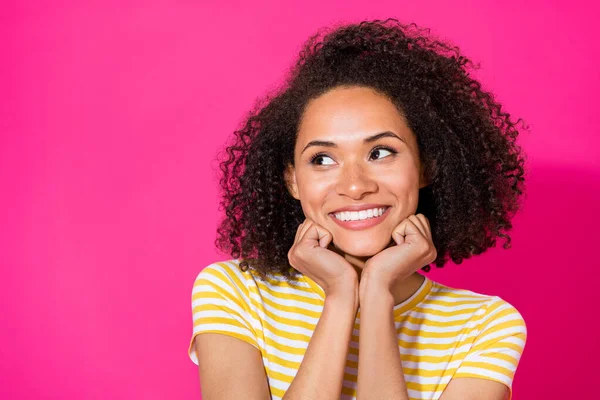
(425, 175)
(423, 181)
(290, 181)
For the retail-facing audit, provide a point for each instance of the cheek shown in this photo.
(405, 189)
(312, 195)
(400, 183)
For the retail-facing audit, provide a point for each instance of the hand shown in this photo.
(413, 250)
(310, 254)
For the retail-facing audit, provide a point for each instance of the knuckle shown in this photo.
(433, 255)
(423, 245)
(292, 255)
(427, 249)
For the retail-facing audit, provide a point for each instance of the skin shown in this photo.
(354, 173)
(386, 257)
(375, 268)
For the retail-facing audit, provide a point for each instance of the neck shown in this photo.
(402, 290)
(358, 263)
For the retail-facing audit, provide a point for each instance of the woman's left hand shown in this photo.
(413, 250)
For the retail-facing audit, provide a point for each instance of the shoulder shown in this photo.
(221, 304)
(502, 320)
(228, 275)
(226, 271)
(224, 278)
(493, 313)
(459, 301)
(227, 267)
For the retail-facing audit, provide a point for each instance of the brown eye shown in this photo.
(380, 152)
(317, 159)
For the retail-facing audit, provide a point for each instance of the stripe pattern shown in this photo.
(443, 332)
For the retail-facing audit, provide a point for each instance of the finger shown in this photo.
(423, 218)
(325, 236)
(307, 224)
(425, 221)
(427, 225)
(298, 231)
(419, 224)
(301, 229)
(399, 232)
(407, 231)
(318, 234)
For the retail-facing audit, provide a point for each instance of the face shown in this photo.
(355, 151)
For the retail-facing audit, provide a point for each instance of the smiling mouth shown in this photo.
(363, 215)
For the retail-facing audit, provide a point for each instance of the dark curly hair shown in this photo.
(467, 144)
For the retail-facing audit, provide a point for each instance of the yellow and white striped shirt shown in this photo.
(443, 333)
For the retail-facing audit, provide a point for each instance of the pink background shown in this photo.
(111, 113)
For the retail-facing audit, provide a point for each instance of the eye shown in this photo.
(377, 152)
(318, 158)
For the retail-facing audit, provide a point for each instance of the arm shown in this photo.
(380, 373)
(230, 369)
(488, 370)
(321, 372)
(322, 369)
(224, 343)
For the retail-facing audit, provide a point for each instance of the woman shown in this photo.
(378, 157)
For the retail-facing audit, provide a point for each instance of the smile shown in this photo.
(357, 220)
(360, 215)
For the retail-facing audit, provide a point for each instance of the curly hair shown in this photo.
(467, 144)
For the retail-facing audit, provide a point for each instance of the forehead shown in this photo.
(349, 113)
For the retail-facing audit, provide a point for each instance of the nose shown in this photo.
(355, 181)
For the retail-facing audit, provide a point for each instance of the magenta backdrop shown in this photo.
(111, 114)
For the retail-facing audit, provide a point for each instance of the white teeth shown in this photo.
(360, 215)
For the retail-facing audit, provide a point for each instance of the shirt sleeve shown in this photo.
(498, 347)
(221, 304)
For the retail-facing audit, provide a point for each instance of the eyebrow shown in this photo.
(366, 140)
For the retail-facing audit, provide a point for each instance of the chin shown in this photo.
(361, 248)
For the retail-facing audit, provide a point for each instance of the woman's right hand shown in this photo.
(311, 256)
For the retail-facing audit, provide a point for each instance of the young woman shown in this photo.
(380, 156)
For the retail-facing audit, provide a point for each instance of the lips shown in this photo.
(359, 207)
(357, 225)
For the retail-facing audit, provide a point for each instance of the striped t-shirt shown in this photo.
(443, 333)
